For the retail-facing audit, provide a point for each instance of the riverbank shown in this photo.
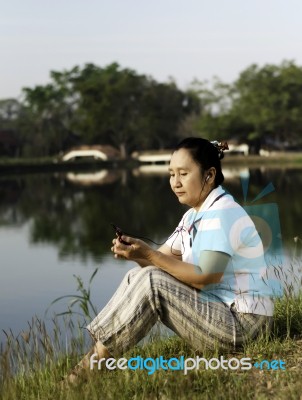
(50, 164)
(276, 159)
(280, 380)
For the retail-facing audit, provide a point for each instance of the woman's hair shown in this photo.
(205, 154)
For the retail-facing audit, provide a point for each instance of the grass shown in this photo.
(32, 364)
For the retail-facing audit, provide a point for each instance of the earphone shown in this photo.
(207, 178)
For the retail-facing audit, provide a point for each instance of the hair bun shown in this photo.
(220, 147)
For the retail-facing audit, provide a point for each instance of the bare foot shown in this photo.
(83, 367)
(101, 350)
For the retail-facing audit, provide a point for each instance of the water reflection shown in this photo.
(74, 211)
(154, 170)
(55, 225)
(102, 177)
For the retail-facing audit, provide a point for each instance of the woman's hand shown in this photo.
(135, 250)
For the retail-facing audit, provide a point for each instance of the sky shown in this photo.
(182, 39)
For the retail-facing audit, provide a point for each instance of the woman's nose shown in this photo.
(177, 182)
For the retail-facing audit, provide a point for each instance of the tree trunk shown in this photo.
(123, 151)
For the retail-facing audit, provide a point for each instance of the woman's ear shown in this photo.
(211, 174)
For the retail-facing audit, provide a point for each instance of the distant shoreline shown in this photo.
(40, 165)
(280, 160)
(43, 165)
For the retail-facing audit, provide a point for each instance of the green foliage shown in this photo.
(270, 98)
(215, 102)
(82, 301)
(128, 110)
(9, 112)
(288, 316)
(118, 106)
(95, 105)
(264, 102)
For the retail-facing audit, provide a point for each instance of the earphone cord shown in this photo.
(146, 238)
(159, 244)
(198, 202)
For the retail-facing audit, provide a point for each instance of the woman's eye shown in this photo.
(183, 174)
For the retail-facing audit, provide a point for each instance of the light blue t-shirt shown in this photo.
(222, 225)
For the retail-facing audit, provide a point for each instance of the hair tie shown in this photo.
(221, 147)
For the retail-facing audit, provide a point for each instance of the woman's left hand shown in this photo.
(136, 249)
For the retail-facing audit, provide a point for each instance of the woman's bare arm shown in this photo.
(165, 249)
(210, 269)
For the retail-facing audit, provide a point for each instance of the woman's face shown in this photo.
(186, 179)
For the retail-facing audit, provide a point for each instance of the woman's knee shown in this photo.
(131, 274)
(141, 273)
(147, 276)
(151, 274)
(150, 270)
(138, 273)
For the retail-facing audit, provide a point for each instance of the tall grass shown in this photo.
(32, 364)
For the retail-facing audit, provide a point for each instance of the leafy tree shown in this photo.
(11, 141)
(49, 114)
(129, 110)
(9, 112)
(166, 107)
(264, 103)
(269, 99)
(212, 120)
(114, 105)
(108, 105)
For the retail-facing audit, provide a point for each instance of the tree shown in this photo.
(9, 112)
(165, 108)
(269, 100)
(110, 105)
(211, 121)
(11, 142)
(130, 110)
(263, 103)
(110, 102)
(50, 113)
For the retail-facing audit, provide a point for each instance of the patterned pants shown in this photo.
(149, 294)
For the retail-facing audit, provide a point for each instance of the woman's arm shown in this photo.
(195, 276)
(212, 264)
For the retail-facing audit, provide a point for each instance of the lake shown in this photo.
(56, 226)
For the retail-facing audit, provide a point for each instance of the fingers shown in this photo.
(123, 238)
(119, 249)
(126, 247)
(116, 244)
(119, 257)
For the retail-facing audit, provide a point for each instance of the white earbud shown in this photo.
(207, 178)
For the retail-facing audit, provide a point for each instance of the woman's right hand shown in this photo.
(118, 247)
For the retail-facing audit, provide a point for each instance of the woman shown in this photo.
(205, 283)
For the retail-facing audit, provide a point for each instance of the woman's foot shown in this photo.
(83, 367)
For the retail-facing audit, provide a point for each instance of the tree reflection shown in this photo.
(76, 218)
